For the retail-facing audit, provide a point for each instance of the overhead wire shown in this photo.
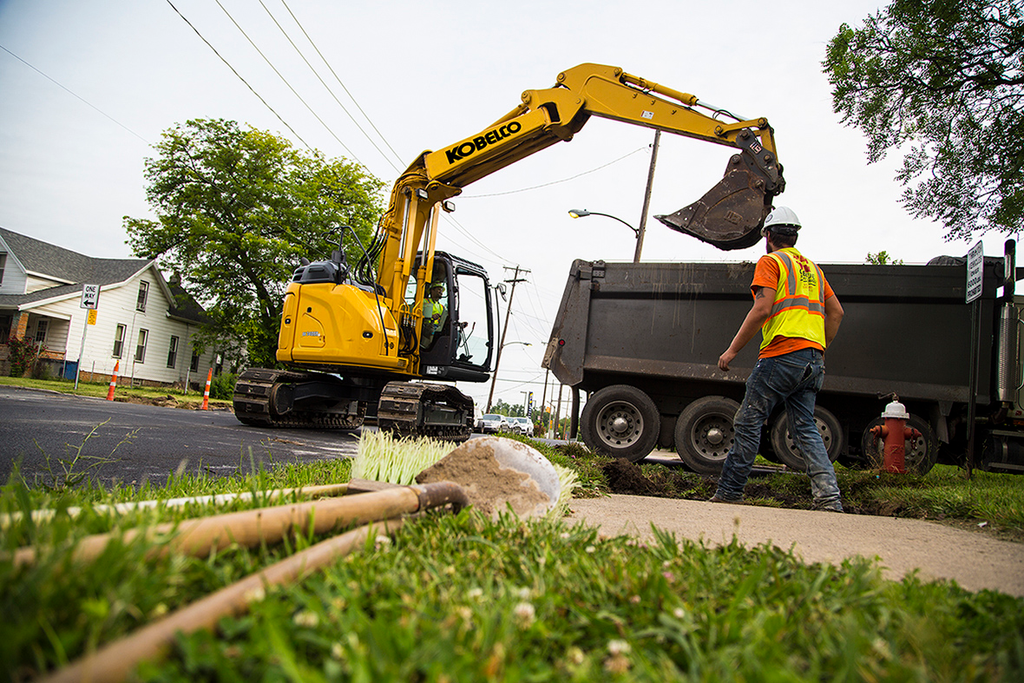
(239, 76)
(290, 87)
(74, 94)
(326, 87)
(350, 95)
(557, 182)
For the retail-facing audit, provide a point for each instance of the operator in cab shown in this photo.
(798, 315)
(435, 315)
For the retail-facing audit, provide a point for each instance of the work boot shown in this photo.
(832, 506)
(717, 498)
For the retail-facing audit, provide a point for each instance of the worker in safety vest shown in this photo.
(798, 315)
(434, 313)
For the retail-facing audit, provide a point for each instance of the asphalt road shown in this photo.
(47, 431)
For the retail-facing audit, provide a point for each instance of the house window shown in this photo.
(172, 353)
(194, 367)
(3, 262)
(140, 305)
(118, 341)
(140, 349)
(41, 328)
(5, 327)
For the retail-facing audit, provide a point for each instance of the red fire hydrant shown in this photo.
(896, 433)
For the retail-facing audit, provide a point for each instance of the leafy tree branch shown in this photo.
(942, 82)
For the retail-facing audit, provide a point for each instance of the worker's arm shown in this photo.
(833, 316)
(758, 313)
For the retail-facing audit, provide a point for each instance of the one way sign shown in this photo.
(90, 296)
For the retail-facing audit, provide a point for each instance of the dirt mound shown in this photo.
(488, 485)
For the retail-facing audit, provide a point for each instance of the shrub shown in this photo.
(223, 386)
(24, 354)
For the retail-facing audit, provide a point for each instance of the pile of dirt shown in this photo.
(628, 478)
(489, 486)
(167, 401)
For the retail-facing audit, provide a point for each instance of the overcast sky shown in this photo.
(90, 86)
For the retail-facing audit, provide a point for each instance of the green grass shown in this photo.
(461, 597)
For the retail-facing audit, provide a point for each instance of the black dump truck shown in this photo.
(643, 341)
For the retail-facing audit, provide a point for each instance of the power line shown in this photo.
(557, 182)
(350, 95)
(234, 71)
(285, 81)
(73, 94)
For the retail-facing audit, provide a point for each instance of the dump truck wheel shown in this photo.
(921, 452)
(785, 448)
(704, 433)
(621, 421)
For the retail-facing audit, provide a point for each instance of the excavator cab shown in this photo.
(457, 332)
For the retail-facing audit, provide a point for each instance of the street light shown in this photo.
(494, 376)
(582, 213)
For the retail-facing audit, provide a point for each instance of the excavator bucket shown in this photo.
(731, 213)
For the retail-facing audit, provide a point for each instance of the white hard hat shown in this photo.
(780, 217)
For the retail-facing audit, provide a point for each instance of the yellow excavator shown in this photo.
(359, 341)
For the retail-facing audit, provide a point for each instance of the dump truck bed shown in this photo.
(907, 328)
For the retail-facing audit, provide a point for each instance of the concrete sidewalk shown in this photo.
(973, 560)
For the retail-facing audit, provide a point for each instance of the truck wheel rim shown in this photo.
(712, 436)
(827, 437)
(620, 424)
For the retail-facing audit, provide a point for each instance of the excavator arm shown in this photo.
(728, 216)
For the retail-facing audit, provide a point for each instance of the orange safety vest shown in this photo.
(799, 309)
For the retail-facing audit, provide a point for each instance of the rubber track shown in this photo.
(251, 402)
(403, 422)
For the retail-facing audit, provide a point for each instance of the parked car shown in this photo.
(521, 425)
(492, 424)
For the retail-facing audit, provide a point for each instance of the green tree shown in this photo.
(882, 258)
(941, 81)
(236, 209)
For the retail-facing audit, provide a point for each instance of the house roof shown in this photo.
(63, 264)
(59, 263)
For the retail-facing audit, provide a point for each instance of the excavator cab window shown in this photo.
(470, 301)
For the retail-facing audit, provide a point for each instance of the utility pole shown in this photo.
(504, 330)
(647, 198)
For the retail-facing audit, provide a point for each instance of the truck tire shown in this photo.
(704, 433)
(621, 421)
(920, 455)
(785, 448)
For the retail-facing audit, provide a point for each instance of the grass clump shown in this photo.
(464, 598)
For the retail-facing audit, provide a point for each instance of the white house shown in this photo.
(141, 321)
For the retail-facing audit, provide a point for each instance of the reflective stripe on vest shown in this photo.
(799, 309)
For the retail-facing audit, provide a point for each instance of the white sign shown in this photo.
(90, 296)
(975, 271)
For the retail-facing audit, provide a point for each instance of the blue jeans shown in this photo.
(793, 379)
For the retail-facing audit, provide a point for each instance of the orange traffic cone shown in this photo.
(206, 393)
(113, 382)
